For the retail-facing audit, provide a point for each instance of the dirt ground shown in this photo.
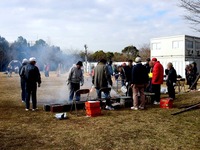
(152, 128)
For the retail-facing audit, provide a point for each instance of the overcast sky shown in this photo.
(109, 25)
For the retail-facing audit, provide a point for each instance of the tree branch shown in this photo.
(193, 8)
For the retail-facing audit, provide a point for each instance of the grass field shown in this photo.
(153, 128)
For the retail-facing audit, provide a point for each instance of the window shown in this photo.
(177, 44)
(189, 44)
(197, 45)
(156, 46)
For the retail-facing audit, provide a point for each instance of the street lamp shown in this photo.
(85, 46)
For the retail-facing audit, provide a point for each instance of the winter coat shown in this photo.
(75, 76)
(110, 69)
(148, 68)
(158, 73)
(171, 77)
(139, 74)
(31, 74)
(20, 71)
(128, 71)
(101, 76)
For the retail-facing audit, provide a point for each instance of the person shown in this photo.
(9, 70)
(171, 80)
(75, 80)
(102, 79)
(128, 71)
(23, 81)
(46, 70)
(32, 77)
(139, 81)
(186, 70)
(92, 71)
(110, 69)
(191, 74)
(149, 69)
(122, 75)
(157, 80)
(147, 65)
(115, 72)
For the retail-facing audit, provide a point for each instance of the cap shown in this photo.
(24, 60)
(32, 59)
(138, 59)
(79, 63)
(154, 59)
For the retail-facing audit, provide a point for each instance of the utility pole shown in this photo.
(85, 46)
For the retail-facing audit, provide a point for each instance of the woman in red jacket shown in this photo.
(157, 80)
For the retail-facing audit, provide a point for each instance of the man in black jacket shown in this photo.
(32, 76)
(23, 81)
(171, 80)
(139, 82)
(128, 71)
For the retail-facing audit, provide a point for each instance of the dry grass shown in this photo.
(153, 128)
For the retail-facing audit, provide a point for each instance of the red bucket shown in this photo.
(166, 103)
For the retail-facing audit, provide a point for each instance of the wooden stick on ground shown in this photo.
(195, 82)
(187, 109)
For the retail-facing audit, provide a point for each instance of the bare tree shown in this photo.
(145, 52)
(193, 15)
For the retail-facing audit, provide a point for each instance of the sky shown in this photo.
(108, 25)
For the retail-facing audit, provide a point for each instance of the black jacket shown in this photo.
(128, 71)
(139, 74)
(31, 73)
(171, 77)
(20, 71)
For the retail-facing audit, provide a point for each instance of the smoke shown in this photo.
(44, 53)
(54, 89)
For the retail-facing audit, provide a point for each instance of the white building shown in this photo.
(181, 50)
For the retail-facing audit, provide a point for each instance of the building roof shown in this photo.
(174, 36)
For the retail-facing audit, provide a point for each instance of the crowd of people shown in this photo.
(138, 79)
(191, 75)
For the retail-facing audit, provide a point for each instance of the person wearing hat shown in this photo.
(32, 76)
(139, 82)
(23, 81)
(157, 80)
(75, 79)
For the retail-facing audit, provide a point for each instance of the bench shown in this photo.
(148, 96)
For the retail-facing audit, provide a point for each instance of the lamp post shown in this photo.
(85, 46)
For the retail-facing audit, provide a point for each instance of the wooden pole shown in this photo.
(187, 109)
(195, 82)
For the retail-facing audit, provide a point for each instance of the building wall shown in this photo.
(168, 46)
(192, 48)
(180, 50)
(178, 63)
